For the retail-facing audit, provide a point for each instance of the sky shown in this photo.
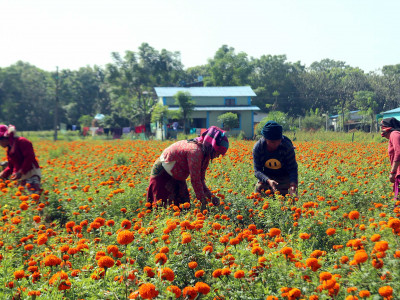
(76, 33)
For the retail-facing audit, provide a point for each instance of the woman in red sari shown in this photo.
(181, 159)
(22, 163)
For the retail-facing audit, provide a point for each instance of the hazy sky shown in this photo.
(75, 33)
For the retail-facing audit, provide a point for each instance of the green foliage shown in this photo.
(121, 159)
(313, 120)
(186, 106)
(57, 152)
(229, 120)
(160, 114)
(227, 68)
(85, 120)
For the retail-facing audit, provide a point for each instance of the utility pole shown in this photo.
(56, 107)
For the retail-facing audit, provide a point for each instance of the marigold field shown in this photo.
(90, 235)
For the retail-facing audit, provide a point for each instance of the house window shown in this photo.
(230, 101)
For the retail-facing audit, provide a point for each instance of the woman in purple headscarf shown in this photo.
(181, 159)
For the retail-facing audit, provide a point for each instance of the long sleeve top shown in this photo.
(394, 148)
(280, 163)
(21, 157)
(186, 158)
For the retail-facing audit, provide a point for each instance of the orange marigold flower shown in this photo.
(148, 291)
(199, 273)
(61, 275)
(160, 258)
(28, 247)
(192, 265)
(294, 293)
(381, 246)
(217, 273)
(24, 206)
(35, 197)
(186, 238)
(216, 226)
(176, 290)
(375, 237)
(167, 274)
(19, 274)
(234, 241)
(354, 215)
(149, 272)
(286, 250)
(364, 294)
(239, 274)
(226, 271)
(110, 223)
(361, 256)
(112, 249)
(304, 236)
(105, 262)
(70, 224)
(126, 224)
(394, 223)
(386, 291)
(52, 260)
(274, 232)
(313, 263)
(42, 239)
(208, 249)
(202, 288)
(330, 231)
(325, 276)
(125, 237)
(37, 219)
(189, 292)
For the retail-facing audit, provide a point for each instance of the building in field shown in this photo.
(210, 102)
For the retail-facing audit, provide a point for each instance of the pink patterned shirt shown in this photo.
(394, 148)
(188, 158)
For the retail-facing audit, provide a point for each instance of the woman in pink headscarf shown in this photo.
(184, 158)
(22, 163)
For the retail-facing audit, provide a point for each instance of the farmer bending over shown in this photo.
(184, 158)
(274, 161)
(22, 163)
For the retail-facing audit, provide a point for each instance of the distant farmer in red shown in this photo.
(390, 129)
(22, 163)
(184, 158)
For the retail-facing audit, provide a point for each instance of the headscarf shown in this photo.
(272, 131)
(215, 139)
(389, 124)
(7, 131)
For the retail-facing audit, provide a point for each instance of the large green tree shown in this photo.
(130, 80)
(26, 97)
(228, 68)
(273, 81)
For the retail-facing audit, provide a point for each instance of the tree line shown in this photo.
(123, 90)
